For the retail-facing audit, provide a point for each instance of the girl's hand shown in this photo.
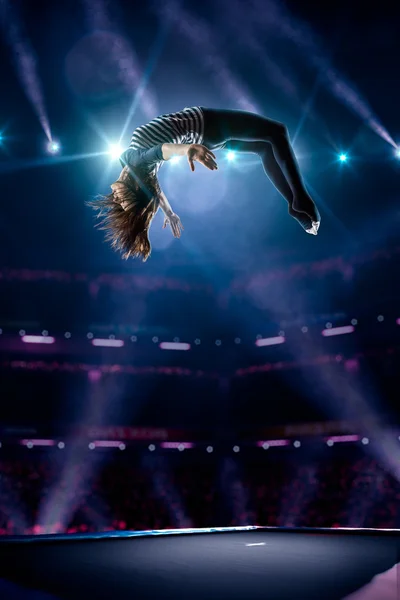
(175, 223)
(203, 155)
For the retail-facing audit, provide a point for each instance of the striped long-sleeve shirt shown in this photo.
(145, 149)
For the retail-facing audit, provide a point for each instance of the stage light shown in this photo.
(342, 157)
(337, 330)
(397, 151)
(174, 346)
(272, 341)
(273, 444)
(231, 156)
(115, 151)
(53, 147)
(107, 343)
(37, 339)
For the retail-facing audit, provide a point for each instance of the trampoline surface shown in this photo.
(236, 563)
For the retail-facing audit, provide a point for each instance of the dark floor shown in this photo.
(242, 565)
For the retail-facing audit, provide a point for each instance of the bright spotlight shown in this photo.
(53, 147)
(230, 156)
(397, 152)
(175, 160)
(342, 157)
(115, 151)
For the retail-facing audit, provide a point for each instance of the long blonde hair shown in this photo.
(126, 214)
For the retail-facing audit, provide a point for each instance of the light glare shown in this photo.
(115, 151)
(53, 147)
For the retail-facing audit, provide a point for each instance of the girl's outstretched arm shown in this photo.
(171, 218)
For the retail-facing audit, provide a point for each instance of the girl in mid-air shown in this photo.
(126, 214)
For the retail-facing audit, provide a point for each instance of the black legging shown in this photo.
(248, 132)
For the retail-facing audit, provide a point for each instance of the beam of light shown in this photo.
(352, 99)
(297, 495)
(11, 505)
(10, 167)
(319, 201)
(239, 22)
(38, 339)
(78, 466)
(107, 343)
(140, 91)
(159, 471)
(273, 444)
(277, 20)
(338, 330)
(130, 72)
(343, 157)
(396, 153)
(25, 62)
(174, 346)
(342, 395)
(271, 341)
(115, 151)
(231, 156)
(280, 76)
(234, 492)
(202, 39)
(367, 490)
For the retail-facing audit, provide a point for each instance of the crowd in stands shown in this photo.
(51, 492)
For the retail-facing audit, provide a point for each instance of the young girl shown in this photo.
(127, 212)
